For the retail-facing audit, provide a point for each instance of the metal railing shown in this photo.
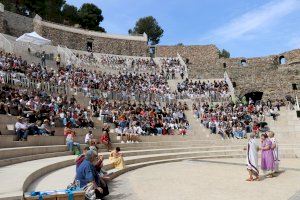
(183, 64)
(20, 80)
(230, 86)
(5, 44)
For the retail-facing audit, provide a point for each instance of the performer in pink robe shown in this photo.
(275, 150)
(267, 157)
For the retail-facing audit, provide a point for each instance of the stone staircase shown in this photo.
(287, 125)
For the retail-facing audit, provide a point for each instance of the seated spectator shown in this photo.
(119, 132)
(21, 129)
(104, 139)
(72, 146)
(128, 131)
(68, 129)
(116, 158)
(81, 158)
(89, 138)
(45, 128)
(88, 177)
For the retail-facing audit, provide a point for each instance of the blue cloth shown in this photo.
(86, 173)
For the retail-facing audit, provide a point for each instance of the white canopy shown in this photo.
(33, 38)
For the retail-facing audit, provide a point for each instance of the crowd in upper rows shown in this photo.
(236, 120)
(86, 80)
(216, 90)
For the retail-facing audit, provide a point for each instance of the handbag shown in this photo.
(89, 190)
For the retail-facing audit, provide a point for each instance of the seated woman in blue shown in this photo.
(86, 174)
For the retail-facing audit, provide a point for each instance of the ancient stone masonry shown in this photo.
(75, 38)
(2, 29)
(16, 25)
(263, 74)
(273, 75)
(201, 58)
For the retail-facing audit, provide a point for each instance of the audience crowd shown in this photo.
(215, 91)
(236, 120)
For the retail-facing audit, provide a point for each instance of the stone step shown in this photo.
(134, 162)
(32, 150)
(15, 160)
(32, 170)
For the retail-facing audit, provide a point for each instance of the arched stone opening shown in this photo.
(282, 60)
(254, 96)
(244, 63)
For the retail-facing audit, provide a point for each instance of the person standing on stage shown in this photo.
(252, 158)
(274, 148)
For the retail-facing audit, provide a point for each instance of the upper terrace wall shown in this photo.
(194, 53)
(202, 58)
(75, 38)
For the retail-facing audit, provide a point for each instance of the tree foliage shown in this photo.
(70, 14)
(224, 54)
(88, 16)
(150, 26)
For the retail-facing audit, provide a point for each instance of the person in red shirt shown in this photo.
(104, 139)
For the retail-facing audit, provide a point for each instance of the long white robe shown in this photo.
(275, 154)
(252, 156)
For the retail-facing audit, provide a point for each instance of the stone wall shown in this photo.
(16, 25)
(2, 29)
(201, 58)
(194, 53)
(75, 38)
(265, 74)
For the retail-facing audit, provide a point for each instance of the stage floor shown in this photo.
(216, 179)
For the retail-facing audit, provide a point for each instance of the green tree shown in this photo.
(70, 14)
(10, 5)
(54, 10)
(34, 7)
(224, 54)
(150, 26)
(90, 17)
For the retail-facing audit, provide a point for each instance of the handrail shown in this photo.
(183, 64)
(230, 86)
(6, 43)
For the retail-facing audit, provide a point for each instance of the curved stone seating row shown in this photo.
(134, 162)
(9, 156)
(7, 141)
(16, 153)
(17, 178)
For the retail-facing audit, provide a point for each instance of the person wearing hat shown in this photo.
(21, 129)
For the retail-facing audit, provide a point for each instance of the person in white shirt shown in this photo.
(119, 133)
(137, 131)
(252, 158)
(128, 131)
(88, 137)
(21, 129)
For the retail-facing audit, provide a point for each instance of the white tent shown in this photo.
(33, 38)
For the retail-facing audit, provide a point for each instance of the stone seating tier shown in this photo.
(16, 181)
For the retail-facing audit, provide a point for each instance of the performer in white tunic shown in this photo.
(252, 158)
(274, 147)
